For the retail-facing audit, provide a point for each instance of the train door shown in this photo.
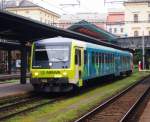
(79, 65)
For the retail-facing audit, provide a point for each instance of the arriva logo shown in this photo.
(53, 72)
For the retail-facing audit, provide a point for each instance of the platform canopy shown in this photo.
(23, 30)
(92, 30)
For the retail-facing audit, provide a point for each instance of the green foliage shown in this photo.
(137, 56)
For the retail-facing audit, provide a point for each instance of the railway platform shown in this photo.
(14, 89)
(145, 117)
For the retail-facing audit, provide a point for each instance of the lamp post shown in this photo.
(143, 50)
(2, 4)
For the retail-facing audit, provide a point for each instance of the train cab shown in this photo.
(56, 64)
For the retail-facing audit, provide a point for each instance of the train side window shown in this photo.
(96, 57)
(105, 61)
(93, 57)
(85, 57)
(100, 58)
(110, 58)
(113, 58)
(79, 57)
(76, 56)
(124, 59)
(106, 58)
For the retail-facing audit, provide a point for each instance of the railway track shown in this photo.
(11, 76)
(23, 105)
(119, 107)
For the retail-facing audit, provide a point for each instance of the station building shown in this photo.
(137, 18)
(115, 23)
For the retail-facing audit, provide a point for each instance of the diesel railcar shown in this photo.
(58, 64)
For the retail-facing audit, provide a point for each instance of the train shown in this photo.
(60, 64)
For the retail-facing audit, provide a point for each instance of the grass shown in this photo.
(71, 108)
(10, 81)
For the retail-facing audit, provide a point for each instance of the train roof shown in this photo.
(54, 40)
(60, 39)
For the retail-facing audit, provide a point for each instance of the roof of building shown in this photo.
(18, 4)
(115, 17)
(137, 1)
(92, 30)
(24, 3)
(101, 17)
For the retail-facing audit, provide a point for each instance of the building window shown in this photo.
(27, 12)
(135, 17)
(110, 30)
(121, 30)
(148, 17)
(136, 33)
(41, 19)
(115, 30)
(148, 4)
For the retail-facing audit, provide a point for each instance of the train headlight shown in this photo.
(50, 64)
(36, 73)
(65, 73)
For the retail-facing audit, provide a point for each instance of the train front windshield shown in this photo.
(51, 56)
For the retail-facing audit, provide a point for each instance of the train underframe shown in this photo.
(59, 84)
(51, 84)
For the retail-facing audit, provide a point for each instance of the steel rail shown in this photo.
(111, 100)
(11, 76)
(7, 116)
(133, 107)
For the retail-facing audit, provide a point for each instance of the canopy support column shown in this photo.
(9, 62)
(23, 63)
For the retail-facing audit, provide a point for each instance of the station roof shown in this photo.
(90, 29)
(24, 30)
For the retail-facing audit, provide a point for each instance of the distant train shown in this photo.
(58, 64)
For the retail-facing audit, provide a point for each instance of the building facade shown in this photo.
(115, 23)
(31, 10)
(94, 18)
(137, 18)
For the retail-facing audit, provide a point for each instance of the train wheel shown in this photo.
(36, 87)
(128, 73)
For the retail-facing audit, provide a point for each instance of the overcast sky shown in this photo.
(85, 6)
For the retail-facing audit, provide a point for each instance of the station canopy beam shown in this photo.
(24, 30)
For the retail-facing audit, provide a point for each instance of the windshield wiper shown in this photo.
(60, 59)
